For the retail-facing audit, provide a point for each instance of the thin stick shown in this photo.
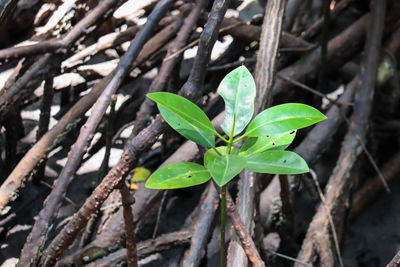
(244, 236)
(289, 258)
(334, 233)
(127, 201)
(222, 259)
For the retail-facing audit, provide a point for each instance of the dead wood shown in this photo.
(250, 33)
(12, 94)
(191, 90)
(53, 203)
(371, 189)
(82, 28)
(105, 42)
(102, 244)
(145, 199)
(202, 228)
(246, 241)
(161, 243)
(311, 148)
(264, 78)
(127, 201)
(39, 150)
(43, 127)
(147, 108)
(317, 244)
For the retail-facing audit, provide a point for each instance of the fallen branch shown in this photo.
(57, 45)
(317, 242)
(371, 189)
(159, 244)
(53, 203)
(127, 201)
(147, 108)
(191, 90)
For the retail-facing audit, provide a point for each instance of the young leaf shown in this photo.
(277, 162)
(224, 167)
(185, 117)
(255, 145)
(283, 118)
(186, 129)
(178, 175)
(238, 90)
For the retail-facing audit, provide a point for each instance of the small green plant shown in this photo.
(268, 135)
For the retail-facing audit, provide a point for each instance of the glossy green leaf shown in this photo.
(178, 175)
(224, 167)
(255, 145)
(238, 90)
(186, 129)
(283, 118)
(277, 162)
(185, 117)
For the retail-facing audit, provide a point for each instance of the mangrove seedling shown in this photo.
(268, 135)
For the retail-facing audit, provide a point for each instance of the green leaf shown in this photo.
(185, 117)
(283, 118)
(255, 145)
(238, 90)
(277, 162)
(178, 175)
(186, 129)
(224, 167)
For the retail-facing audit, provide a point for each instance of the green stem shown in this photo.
(222, 226)
(223, 201)
(238, 139)
(222, 138)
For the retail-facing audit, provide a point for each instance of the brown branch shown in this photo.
(74, 157)
(161, 243)
(83, 27)
(38, 151)
(243, 234)
(44, 119)
(371, 189)
(147, 108)
(10, 96)
(317, 241)
(138, 144)
(250, 33)
(264, 77)
(340, 50)
(193, 86)
(105, 42)
(127, 201)
(311, 148)
(145, 198)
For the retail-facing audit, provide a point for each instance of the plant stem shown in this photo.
(222, 226)
(223, 202)
(222, 138)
